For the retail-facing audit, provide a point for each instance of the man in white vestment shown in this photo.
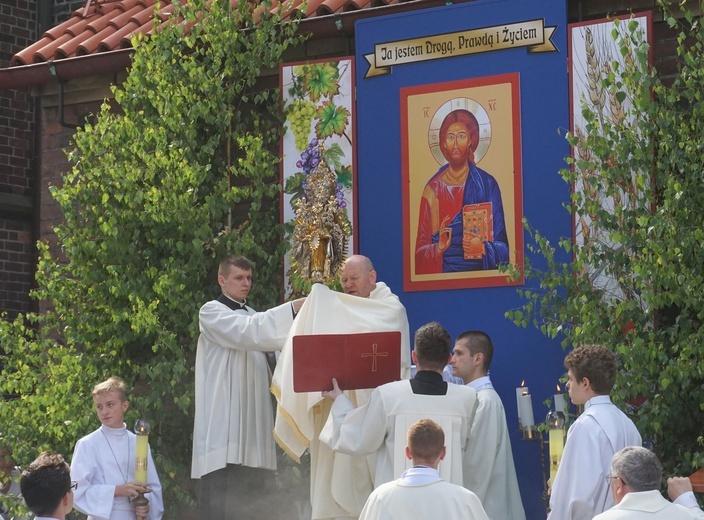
(420, 493)
(233, 446)
(580, 491)
(339, 483)
(47, 488)
(381, 425)
(635, 479)
(489, 470)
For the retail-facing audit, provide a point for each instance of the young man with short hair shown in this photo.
(420, 493)
(489, 470)
(580, 490)
(47, 488)
(233, 444)
(380, 425)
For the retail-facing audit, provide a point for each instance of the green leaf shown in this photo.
(332, 120)
(321, 80)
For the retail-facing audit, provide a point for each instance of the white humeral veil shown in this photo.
(340, 483)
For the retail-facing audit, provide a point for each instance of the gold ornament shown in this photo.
(321, 231)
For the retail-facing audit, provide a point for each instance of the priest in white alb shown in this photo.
(339, 483)
(380, 426)
(233, 447)
(489, 470)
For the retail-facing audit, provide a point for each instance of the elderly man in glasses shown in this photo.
(636, 474)
(47, 488)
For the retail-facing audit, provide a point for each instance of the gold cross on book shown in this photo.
(374, 354)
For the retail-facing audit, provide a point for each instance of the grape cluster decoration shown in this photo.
(318, 120)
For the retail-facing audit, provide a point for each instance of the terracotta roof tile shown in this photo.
(101, 22)
(114, 41)
(69, 48)
(25, 56)
(108, 25)
(128, 5)
(121, 19)
(91, 45)
(56, 32)
(353, 5)
(329, 7)
(144, 16)
(46, 53)
(77, 28)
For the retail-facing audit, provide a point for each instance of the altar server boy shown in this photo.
(103, 463)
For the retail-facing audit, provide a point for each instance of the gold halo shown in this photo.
(442, 112)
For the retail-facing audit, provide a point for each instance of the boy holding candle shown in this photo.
(104, 463)
(580, 490)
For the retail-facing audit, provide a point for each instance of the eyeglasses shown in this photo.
(609, 478)
(74, 486)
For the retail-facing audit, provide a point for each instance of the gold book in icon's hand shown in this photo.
(477, 222)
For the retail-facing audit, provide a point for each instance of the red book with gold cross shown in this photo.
(364, 360)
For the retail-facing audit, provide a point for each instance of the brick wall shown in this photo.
(16, 264)
(21, 23)
(55, 139)
(17, 31)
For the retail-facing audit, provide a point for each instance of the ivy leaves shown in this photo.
(635, 282)
(181, 173)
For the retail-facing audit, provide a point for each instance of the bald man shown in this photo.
(366, 305)
(358, 276)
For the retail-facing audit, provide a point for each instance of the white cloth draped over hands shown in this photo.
(339, 483)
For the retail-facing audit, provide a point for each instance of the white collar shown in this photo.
(117, 432)
(419, 476)
(243, 302)
(597, 399)
(481, 383)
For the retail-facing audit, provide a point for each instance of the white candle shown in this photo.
(560, 403)
(526, 411)
(519, 393)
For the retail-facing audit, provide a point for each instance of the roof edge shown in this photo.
(23, 76)
(330, 25)
(343, 23)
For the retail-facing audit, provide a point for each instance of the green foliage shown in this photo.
(183, 172)
(636, 279)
